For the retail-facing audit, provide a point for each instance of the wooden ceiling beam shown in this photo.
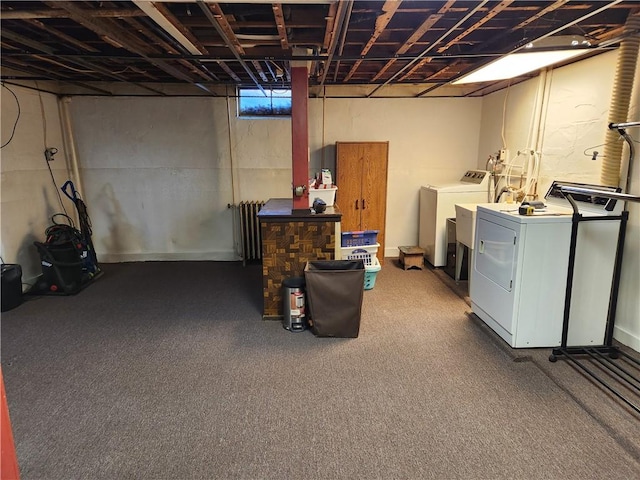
(280, 25)
(492, 13)
(478, 6)
(139, 71)
(260, 71)
(58, 13)
(329, 29)
(342, 43)
(489, 16)
(216, 16)
(61, 35)
(30, 68)
(222, 21)
(21, 39)
(170, 24)
(181, 28)
(107, 28)
(295, 23)
(168, 48)
(229, 71)
(49, 75)
(89, 71)
(104, 27)
(525, 23)
(8, 46)
(416, 35)
(341, 24)
(388, 10)
(85, 64)
(548, 9)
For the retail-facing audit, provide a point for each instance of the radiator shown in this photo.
(250, 240)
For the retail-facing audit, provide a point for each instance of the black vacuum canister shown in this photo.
(11, 286)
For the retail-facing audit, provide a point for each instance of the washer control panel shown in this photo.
(474, 176)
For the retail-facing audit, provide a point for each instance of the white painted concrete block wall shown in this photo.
(157, 177)
(158, 171)
(28, 197)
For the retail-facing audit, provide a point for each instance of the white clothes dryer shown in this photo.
(520, 269)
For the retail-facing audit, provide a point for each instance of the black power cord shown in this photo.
(13, 130)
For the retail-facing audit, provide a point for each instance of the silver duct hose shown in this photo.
(620, 98)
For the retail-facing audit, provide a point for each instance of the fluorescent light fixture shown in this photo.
(517, 64)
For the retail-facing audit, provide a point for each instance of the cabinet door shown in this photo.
(349, 160)
(361, 176)
(374, 191)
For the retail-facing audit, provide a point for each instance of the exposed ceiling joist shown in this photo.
(424, 53)
(68, 39)
(339, 25)
(416, 36)
(160, 14)
(212, 46)
(55, 13)
(278, 15)
(163, 17)
(486, 18)
(388, 10)
(215, 15)
(106, 28)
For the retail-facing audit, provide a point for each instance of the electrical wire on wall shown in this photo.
(49, 152)
(15, 124)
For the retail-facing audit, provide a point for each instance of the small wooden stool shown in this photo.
(411, 257)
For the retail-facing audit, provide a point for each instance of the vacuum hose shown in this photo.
(619, 107)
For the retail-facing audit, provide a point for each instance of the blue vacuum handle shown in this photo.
(74, 192)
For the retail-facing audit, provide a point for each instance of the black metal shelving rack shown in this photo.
(606, 353)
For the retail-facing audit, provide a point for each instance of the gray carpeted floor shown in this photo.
(166, 371)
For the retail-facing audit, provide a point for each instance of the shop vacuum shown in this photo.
(11, 286)
(68, 259)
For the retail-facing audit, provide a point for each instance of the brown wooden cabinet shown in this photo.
(361, 177)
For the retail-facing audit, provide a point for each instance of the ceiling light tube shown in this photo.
(517, 64)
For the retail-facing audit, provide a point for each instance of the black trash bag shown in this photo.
(335, 289)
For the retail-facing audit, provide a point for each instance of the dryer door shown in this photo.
(496, 253)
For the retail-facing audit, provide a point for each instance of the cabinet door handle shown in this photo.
(356, 204)
(363, 204)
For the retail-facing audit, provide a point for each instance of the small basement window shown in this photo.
(252, 102)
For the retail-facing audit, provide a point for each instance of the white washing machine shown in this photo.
(520, 270)
(437, 203)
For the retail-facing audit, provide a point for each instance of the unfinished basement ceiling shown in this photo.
(208, 48)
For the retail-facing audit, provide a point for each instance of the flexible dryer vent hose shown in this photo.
(620, 98)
